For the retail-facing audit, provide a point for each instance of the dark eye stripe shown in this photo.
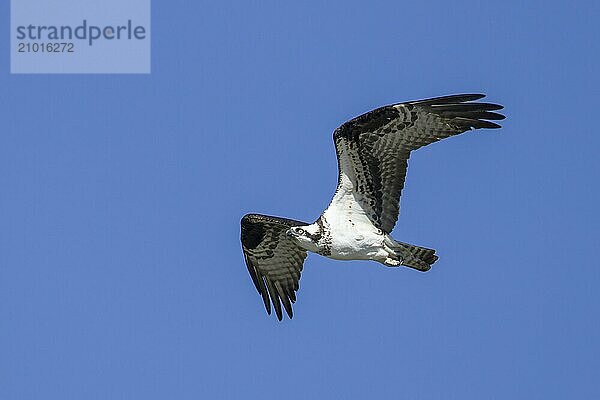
(316, 237)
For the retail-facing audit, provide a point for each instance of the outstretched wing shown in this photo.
(273, 259)
(373, 148)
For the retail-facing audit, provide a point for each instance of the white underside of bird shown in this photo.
(346, 233)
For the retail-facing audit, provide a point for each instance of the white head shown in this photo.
(306, 236)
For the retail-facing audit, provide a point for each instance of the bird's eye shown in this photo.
(300, 231)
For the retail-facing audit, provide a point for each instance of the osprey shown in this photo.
(372, 151)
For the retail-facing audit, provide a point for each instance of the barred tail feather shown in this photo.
(419, 258)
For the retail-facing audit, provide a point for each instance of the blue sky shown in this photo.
(121, 274)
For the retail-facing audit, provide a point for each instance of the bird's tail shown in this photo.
(419, 258)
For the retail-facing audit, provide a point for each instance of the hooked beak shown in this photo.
(289, 233)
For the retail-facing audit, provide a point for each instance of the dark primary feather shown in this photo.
(373, 148)
(450, 99)
(273, 259)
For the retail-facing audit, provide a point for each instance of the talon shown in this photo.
(391, 262)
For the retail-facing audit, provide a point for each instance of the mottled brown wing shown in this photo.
(373, 148)
(274, 260)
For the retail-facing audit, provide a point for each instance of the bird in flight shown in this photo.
(372, 151)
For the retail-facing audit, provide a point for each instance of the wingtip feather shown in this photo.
(453, 98)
